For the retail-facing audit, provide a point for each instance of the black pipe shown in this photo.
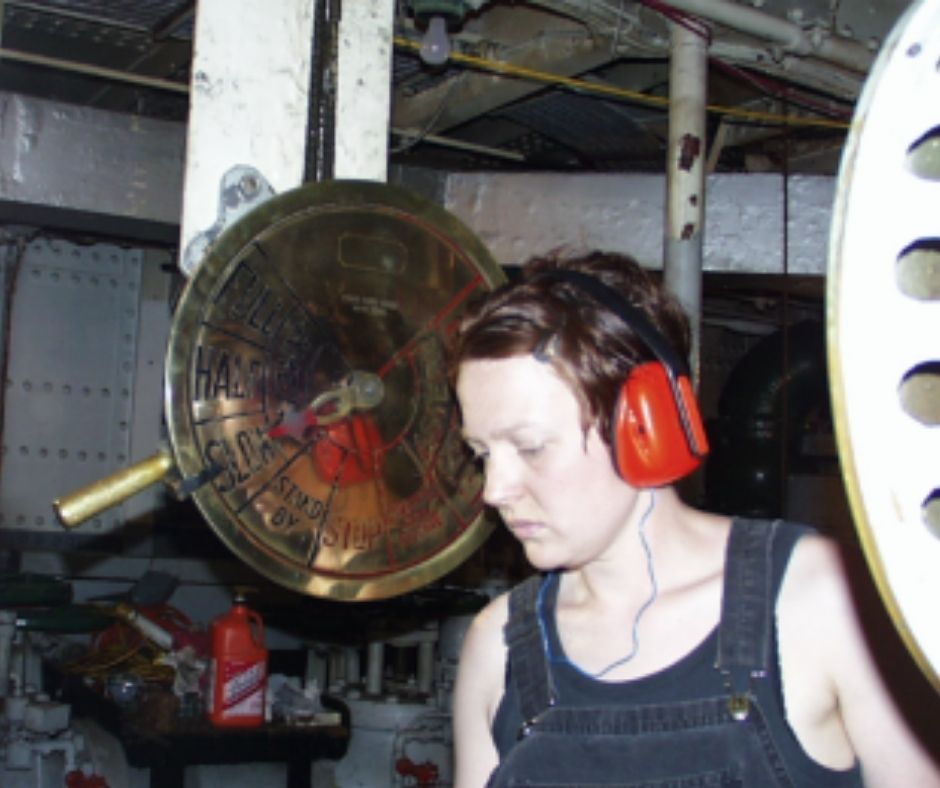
(765, 409)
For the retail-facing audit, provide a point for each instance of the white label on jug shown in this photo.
(238, 685)
(252, 706)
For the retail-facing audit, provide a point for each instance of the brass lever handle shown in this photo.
(85, 502)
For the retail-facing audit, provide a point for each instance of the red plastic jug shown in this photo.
(238, 671)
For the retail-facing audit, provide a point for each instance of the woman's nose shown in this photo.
(500, 480)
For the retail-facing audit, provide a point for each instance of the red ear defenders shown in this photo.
(657, 435)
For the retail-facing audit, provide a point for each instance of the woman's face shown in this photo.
(555, 487)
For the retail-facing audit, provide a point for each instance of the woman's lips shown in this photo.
(525, 529)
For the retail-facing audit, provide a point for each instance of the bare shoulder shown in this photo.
(484, 639)
(815, 607)
(837, 702)
(816, 593)
(480, 685)
(482, 668)
(815, 567)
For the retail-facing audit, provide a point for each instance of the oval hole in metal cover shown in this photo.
(920, 393)
(918, 270)
(923, 157)
(930, 510)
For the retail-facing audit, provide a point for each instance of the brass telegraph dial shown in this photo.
(306, 391)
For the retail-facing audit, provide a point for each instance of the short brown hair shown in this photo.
(590, 346)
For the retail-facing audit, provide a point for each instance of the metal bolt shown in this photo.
(248, 185)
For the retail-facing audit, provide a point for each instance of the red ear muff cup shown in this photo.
(656, 433)
(650, 444)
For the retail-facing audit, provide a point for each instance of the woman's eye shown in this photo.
(530, 451)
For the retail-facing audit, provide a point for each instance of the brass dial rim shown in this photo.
(237, 529)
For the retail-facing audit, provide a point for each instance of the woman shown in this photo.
(657, 644)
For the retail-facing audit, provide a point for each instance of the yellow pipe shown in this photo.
(581, 85)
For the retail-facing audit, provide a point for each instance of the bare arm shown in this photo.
(480, 680)
(821, 636)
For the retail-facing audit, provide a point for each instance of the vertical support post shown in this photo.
(375, 667)
(249, 95)
(353, 668)
(363, 89)
(7, 633)
(685, 171)
(425, 665)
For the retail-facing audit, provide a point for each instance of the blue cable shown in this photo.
(654, 592)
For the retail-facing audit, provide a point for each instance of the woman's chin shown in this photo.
(541, 559)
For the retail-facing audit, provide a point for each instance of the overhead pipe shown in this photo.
(811, 72)
(466, 95)
(92, 71)
(790, 36)
(685, 175)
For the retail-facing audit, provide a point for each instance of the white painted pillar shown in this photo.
(685, 170)
(249, 103)
(363, 89)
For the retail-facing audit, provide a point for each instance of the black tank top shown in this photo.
(693, 677)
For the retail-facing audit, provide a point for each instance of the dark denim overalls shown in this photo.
(733, 733)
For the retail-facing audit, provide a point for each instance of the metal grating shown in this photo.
(146, 16)
(601, 133)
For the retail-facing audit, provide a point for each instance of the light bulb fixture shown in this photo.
(438, 19)
(435, 45)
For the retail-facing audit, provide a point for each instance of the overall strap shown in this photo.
(747, 607)
(528, 666)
